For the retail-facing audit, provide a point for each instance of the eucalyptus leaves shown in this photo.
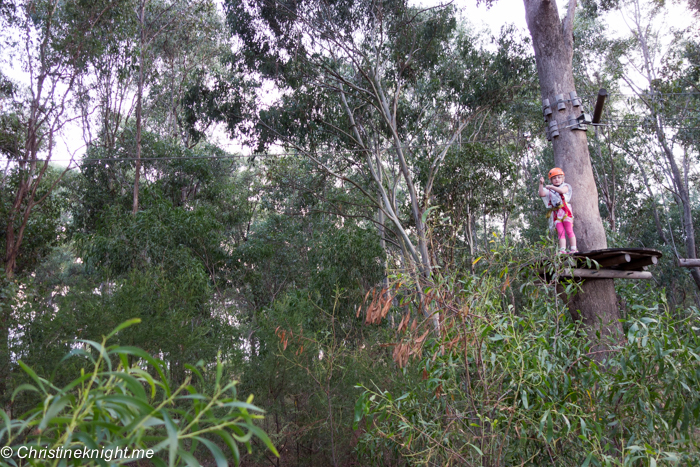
(123, 400)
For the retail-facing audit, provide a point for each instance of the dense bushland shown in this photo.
(511, 380)
(369, 272)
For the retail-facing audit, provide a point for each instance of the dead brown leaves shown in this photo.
(377, 310)
(378, 307)
(409, 348)
(284, 336)
(412, 332)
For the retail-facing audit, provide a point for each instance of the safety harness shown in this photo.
(559, 206)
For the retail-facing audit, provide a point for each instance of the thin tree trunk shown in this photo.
(685, 204)
(419, 258)
(654, 210)
(608, 187)
(330, 419)
(486, 238)
(470, 238)
(425, 264)
(680, 183)
(382, 241)
(139, 107)
(171, 113)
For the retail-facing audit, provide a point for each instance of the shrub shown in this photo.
(123, 400)
(510, 379)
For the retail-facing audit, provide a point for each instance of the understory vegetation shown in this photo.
(362, 284)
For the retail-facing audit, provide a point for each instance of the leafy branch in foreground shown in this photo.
(127, 402)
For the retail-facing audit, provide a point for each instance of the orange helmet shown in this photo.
(554, 172)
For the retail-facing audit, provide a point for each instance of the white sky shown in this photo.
(501, 13)
(513, 12)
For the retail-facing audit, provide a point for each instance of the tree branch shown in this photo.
(568, 23)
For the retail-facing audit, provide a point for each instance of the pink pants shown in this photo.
(567, 227)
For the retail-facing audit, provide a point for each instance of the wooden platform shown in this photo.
(613, 263)
(620, 259)
(688, 263)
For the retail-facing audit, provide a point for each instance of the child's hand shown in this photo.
(541, 179)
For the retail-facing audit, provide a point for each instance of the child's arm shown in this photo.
(562, 189)
(542, 192)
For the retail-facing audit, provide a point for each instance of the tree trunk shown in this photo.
(607, 186)
(382, 241)
(596, 303)
(681, 186)
(468, 235)
(139, 107)
(652, 200)
(680, 180)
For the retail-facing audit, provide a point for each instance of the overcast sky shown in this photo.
(501, 13)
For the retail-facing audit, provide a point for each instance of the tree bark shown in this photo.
(382, 241)
(139, 106)
(468, 235)
(596, 303)
(681, 186)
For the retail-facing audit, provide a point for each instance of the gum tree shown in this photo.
(372, 93)
(52, 41)
(666, 97)
(552, 38)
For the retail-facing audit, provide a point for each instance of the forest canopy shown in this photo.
(309, 233)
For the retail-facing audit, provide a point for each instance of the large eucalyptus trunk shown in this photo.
(596, 303)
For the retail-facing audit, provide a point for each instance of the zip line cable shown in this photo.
(261, 155)
(612, 123)
(616, 122)
(646, 126)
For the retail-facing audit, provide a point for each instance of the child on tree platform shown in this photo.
(556, 197)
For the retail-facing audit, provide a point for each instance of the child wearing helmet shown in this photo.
(556, 197)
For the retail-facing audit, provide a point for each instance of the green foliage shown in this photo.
(167, 266)
(266, 262)
(45, 228)
(123, 400)
(11, 120)
(173, 238)
(223, 102)
(475, 179)
(308, 234)
(520, 385)
(202, 174)
(305, 367)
